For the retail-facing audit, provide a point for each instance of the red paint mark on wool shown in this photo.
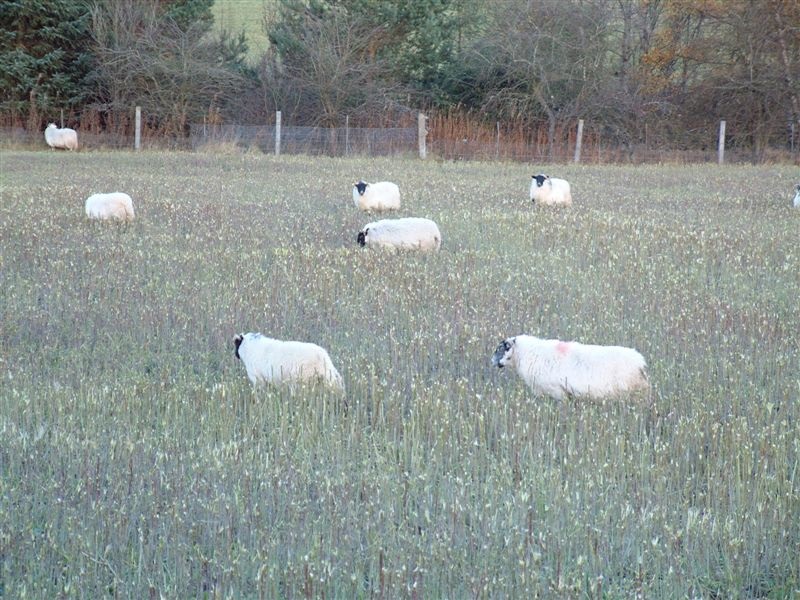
(562, 348)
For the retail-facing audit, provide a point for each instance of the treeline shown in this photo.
(654, 72)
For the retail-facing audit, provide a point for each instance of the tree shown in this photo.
(173, 69)
(44, 58)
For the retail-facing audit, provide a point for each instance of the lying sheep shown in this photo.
(268, 360)
(796, 202)
(409, 233)
(383, 195)
(571, 369)
(115, 205)
(550, 190)
(61, 138)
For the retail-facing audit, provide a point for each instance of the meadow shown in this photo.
(138, 461)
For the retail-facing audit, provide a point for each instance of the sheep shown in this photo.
(796, 202)
(550, 190)
(383, 195)
(409, 233)
(115, 205)
(268, 360)
(570, 369)
(61, 138)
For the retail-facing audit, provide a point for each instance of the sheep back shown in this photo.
(61, 138)
(560, 369)
(408, 233)
(380, 196)
(115, 205)
(268, 360)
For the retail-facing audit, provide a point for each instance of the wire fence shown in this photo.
(329, 141)
(488, 145)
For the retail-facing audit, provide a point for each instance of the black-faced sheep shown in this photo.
(115, 205)
(571, 369)
(268, 360)
(409, 233)
(550, 191)
(383, 195)
(61, 138)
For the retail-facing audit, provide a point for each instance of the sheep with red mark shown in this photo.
(570, 369)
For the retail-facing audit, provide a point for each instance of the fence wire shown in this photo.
(329, 141)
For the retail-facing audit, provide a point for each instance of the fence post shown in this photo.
(277, 133)
(62, 118)
(346, 135)
(578, 141)
(137, 134)
(497, 140)
(422, 133)
(721, 143)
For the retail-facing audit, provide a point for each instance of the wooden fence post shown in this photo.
(62, 118)
(721, 143)
(137, 134)
(277, 133)
(422, 133)
(578, 141)
(497, 140)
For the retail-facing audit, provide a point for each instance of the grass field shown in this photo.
(137, 460)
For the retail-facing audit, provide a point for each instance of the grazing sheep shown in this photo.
(268, 360)
(550, 190)
(115, 205)
(566, 369)
(61, 138)
(796, 202)
(383, 195)
(409, 233)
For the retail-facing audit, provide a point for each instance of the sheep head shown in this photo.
(540, 179)
(361, 238)
(504, 353)
(237, 341)
(361, 187)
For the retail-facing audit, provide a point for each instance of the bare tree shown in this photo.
(173, 72)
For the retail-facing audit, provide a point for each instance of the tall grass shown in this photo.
(137, 461)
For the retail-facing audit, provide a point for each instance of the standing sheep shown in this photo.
(268, 360)
(61, 138)
(796, 202)
(564, 369)
(383, 195)
(409, 233)
(550, 191)
(115, 205)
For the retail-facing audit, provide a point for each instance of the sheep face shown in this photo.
(360, 187)
(540, 179)
(237, 341)
(361, 238)
(505, 351)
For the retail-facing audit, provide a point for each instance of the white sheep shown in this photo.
(409, 233)
(268, 360)
(550, 190)
(571, 369)
(61, 138)
(115, 205)
(383, 195)
(796, 202)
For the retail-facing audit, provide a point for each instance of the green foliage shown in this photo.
(137, 461)
(44, 57)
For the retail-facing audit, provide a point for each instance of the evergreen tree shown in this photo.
(44, 58)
